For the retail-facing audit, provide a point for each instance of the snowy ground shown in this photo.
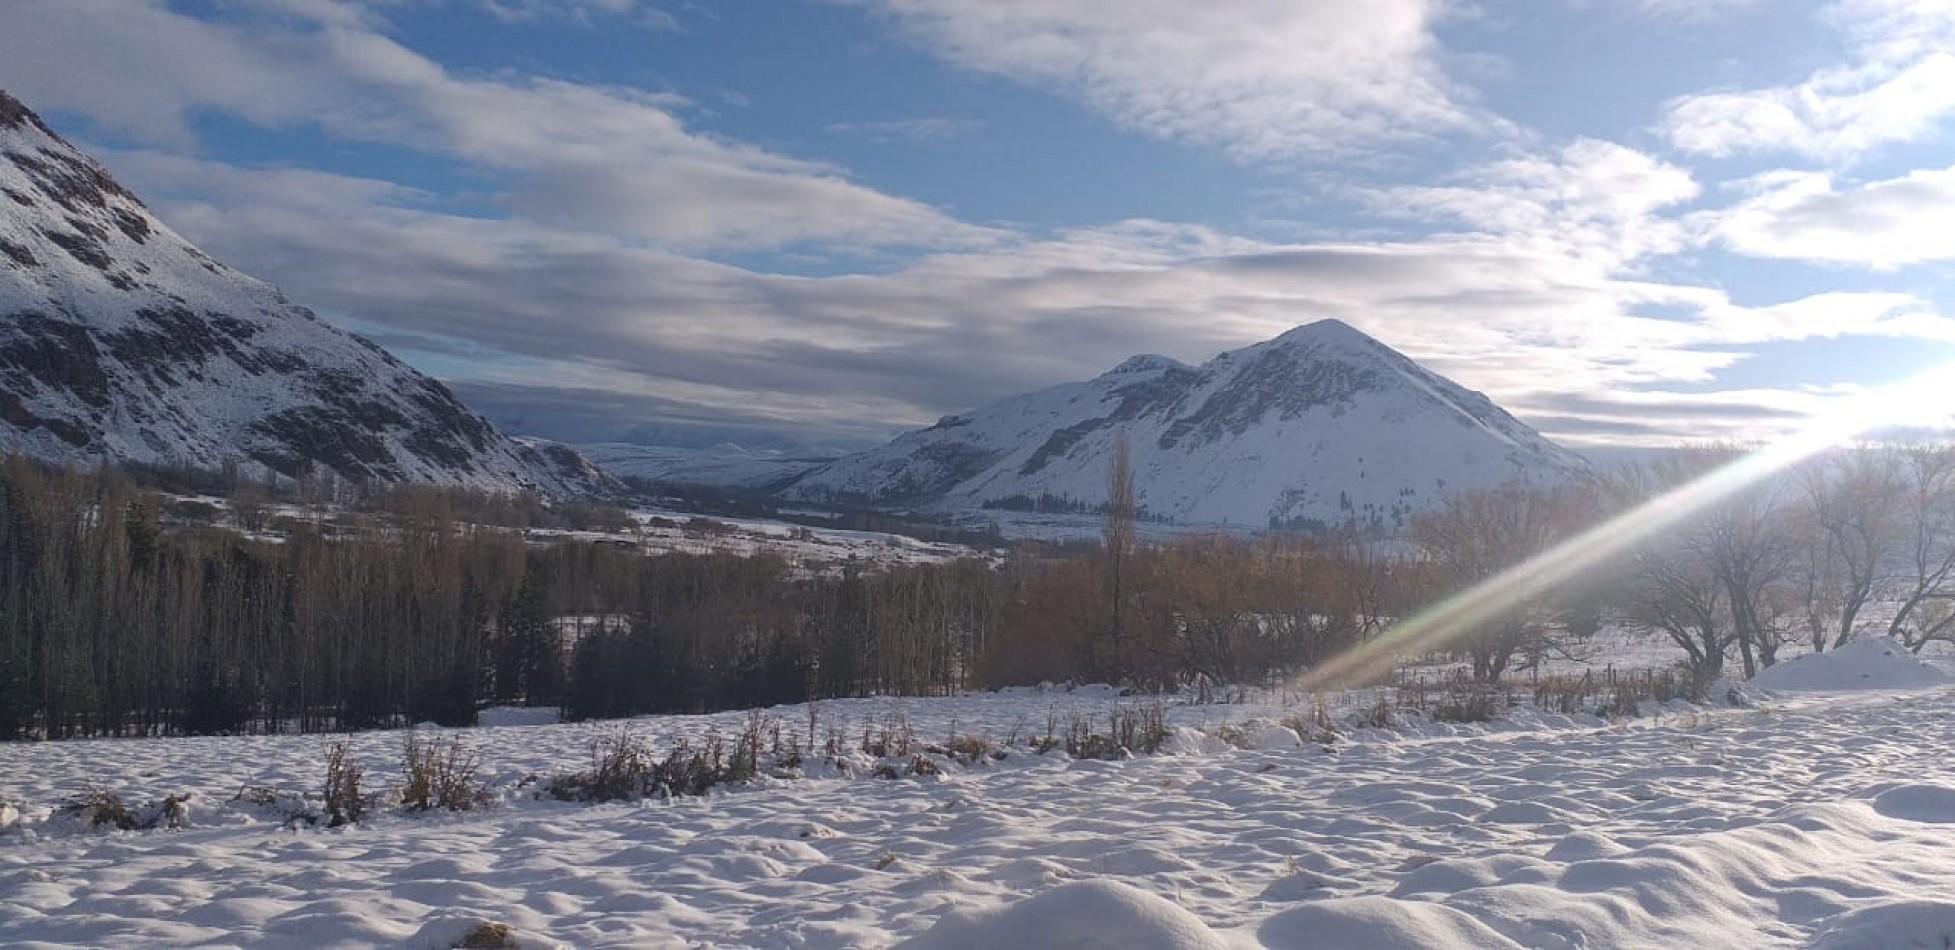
(812, 547)
(1812, 819)
(659, 531)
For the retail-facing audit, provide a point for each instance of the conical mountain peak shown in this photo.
(1146, 363)
(1330, 332)
(1322, 425)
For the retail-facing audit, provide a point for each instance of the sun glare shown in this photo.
(1926, 400)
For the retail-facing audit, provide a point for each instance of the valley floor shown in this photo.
(1812, 819)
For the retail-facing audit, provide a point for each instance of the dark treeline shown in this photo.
(114, 622)
(116, 619)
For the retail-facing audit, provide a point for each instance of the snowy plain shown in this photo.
(658, 531)
(1820, 817)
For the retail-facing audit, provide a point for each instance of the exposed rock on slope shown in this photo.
(1320, 425)
(120, 341)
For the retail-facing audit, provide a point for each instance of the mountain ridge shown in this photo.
(120, 341)
(1321, 425)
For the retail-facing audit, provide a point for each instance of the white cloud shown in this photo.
(1261, 79)
(1690, 9)
(926, 130)
(1540, 295)
(1831, 315)
(606, 159)
(1899, 87)
(956, 329)
(580, 11)
(1654, 418)
(1807, 216)
(1595, 202)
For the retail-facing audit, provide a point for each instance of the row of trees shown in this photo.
(1852, 542)
(113, 622)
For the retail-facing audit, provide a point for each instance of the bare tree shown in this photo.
(1670, 582)
(1121, 513)
(1927, 583)
(1476, 535)
(1853, 497)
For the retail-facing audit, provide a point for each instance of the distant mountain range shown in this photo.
(119, 341)
(1320, 426)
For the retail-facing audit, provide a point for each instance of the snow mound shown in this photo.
(1585, 846)
(1871, 663)
(1934, 804)
(1273, 736)
(1187, 740)
(1086, 915)
(1897, 925)
(1377, 923)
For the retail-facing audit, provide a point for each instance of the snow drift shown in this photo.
(1818, 822)
(1867, 663)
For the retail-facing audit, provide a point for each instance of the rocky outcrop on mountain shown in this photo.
(121, 342)
(1320, 426)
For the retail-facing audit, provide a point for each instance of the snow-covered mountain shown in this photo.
(1322, 424)
(120, 341)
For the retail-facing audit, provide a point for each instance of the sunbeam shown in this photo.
(1926, 399)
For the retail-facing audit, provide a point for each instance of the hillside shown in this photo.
(1320, 425)
(121, 342)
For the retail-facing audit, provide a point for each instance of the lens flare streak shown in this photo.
(1454, 618)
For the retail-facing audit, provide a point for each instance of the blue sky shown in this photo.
(783, 222)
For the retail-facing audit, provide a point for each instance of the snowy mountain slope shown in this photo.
(120, 341)
(1320, 424)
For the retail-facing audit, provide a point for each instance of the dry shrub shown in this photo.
(621, 770)
(99, 808)
(1083, 743)
(488, 936)
(1381, 714)
(1131, 729)
(970, 750)
(894, 736)
(1317, 725)
(1470, 702)
(345, 802)
(440, 776)
(1616, 695)
(1567, 695)
(1140, 728)
(292, 808)
(624, 768)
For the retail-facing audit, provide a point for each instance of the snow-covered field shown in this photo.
(659, 531)
(1809, 819)
(664, 532)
